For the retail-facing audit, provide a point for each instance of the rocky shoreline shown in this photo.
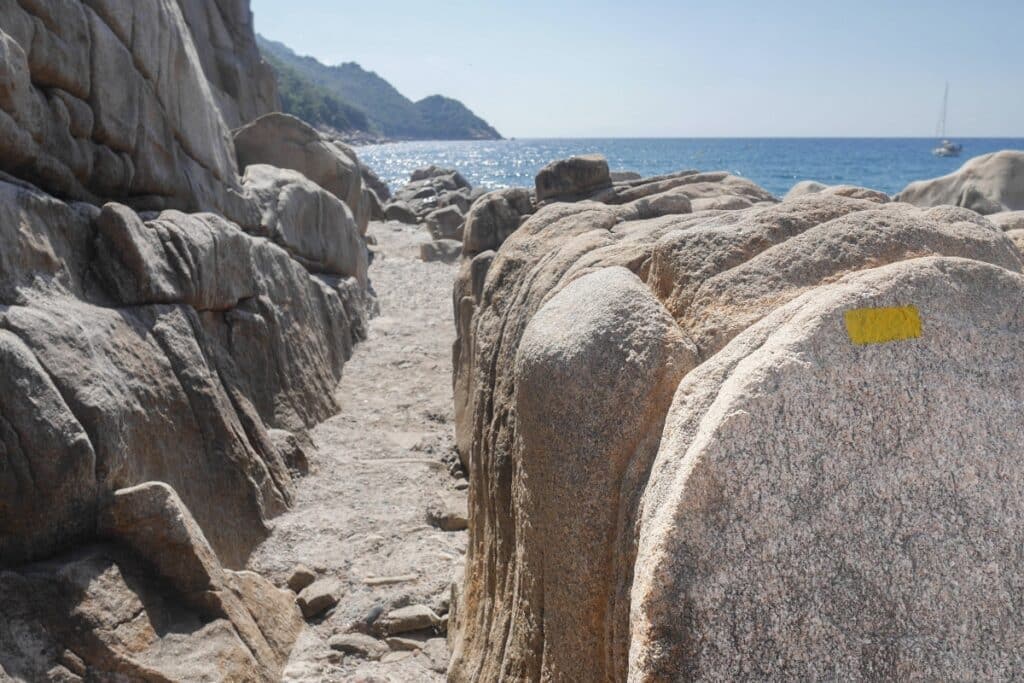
(264, 418)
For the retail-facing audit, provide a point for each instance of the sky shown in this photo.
(706, 68)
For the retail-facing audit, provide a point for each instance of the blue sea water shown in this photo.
(886, 164)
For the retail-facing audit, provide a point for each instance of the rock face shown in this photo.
(287, 142)
(102, 614)
(244, 85)
(573, 177)
(818, 514)
(497, 215)
(160, 367)
(313, 225)
(573, 338)
(155, 141)
(987, 184)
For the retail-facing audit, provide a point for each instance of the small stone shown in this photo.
(449, 513)
(301, 577)
(319, 597)
(408, 619)
(445, 251)
(359, 645)
(403, 644)
(461, 485)
(442, 624)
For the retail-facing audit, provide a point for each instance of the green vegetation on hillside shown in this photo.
(314, 104)
(387, 111)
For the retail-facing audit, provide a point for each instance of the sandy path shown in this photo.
(360, 514)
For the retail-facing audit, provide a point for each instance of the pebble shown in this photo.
(449, 513)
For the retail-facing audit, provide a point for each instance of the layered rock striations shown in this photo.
(169, 330)
(730, 443)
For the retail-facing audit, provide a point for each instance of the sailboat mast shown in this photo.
(945, 106)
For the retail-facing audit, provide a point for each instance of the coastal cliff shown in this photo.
(169, 329)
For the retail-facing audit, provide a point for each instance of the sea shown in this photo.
(886, 164)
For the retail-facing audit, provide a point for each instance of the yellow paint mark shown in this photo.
(880, 325)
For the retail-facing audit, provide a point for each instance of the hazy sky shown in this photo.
(578, 68)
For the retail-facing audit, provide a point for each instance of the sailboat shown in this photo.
(945, 148)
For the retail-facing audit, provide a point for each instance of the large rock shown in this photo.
(400, 212)
(287, 142)
(987, 184)
(823, 509)
(595, 372)
(806, 187)
(434, 188)
(313, 225)
(530, 342)
(731, 301)
(109, 100)
(446, 223)
(157, 605)
(168, 362)
(574, 177)
(494, 217)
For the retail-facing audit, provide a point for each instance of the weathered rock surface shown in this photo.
(549, 346)
(244, 85)
(286, 142)
(494, 217)
(733, 300)
(835, 516)
(603, 342)
(988, 184)
(161, 368)
(314, 226)
(157, 140)
(103, 611)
